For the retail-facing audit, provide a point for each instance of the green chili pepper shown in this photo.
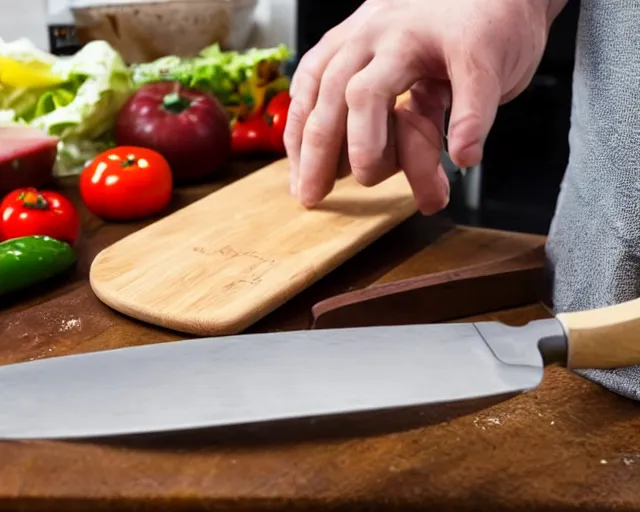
(29, 260)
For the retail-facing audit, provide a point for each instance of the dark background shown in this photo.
(527, 150)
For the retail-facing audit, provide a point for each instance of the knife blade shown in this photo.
(231, 380)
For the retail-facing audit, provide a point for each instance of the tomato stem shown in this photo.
(175, 103)
(129, 161)
(34, 200)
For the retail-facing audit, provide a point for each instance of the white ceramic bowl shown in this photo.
(144, 30)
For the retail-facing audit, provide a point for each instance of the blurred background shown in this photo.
(517, 183)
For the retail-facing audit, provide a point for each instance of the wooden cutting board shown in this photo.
(220, 264)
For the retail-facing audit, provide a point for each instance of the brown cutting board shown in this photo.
(225, 261)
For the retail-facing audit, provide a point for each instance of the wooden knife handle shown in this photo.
(607, 337)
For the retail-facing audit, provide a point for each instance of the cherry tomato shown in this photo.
(276, 115)
(250, 136)
(30, 212)
(126, 183)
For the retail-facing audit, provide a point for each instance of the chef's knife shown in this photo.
(262, 377)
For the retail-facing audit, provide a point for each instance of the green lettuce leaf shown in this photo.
(219, 73)
(82, 110)
(102, 83)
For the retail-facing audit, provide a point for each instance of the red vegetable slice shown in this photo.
(27, 157)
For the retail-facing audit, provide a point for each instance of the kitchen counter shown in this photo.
(569, 445)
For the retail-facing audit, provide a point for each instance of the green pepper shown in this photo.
(28, 260)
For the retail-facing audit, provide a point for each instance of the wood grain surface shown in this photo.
(616, 324)
(568, 446)
(218, 265)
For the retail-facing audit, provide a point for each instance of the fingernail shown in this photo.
(293, 187)
(467, 155)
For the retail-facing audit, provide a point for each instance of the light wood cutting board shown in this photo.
(220, 264)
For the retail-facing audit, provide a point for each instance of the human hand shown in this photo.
(469, 55)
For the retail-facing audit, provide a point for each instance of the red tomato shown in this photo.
(126, 183)
(276, 115)
(250, 136)
(30, 212)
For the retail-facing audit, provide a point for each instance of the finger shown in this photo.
(419, 149)
(306, 82)
(371, 95)
(304, 91)
(296, 118)
(476, 96)
(332, 38)
(324, 130)
(386, 166)
(431, 98)
(313, 62)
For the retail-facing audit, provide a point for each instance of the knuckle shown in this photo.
(316, 133)
(403, 43)
(364, 165)
(403, 46)
(292, 129)
(469, 124)
(290, 138)
(332, 80)
(305, 75)
(361, 158)
(358, 93)
(331, 36)
(295, 115)
(466, 138)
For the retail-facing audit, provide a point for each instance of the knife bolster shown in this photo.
(554, 349)
(607, 337)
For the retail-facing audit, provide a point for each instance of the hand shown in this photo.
(469, 55)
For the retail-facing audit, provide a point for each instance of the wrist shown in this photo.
(554, 8)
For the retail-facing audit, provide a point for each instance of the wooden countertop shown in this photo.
(569, 445)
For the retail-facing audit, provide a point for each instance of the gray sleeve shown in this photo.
(593, 247)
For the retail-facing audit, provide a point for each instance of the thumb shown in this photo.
(475, 97)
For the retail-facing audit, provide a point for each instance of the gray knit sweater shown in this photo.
(594, 241)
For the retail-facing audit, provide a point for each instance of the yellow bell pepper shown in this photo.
(27, 75)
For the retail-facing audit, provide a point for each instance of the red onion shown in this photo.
(190, 128)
